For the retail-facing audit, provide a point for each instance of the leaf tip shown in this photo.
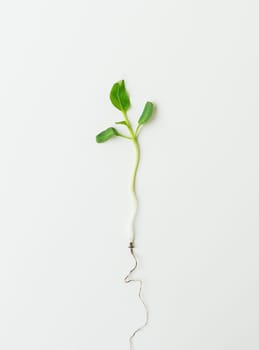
(106, 135)
(147, 113)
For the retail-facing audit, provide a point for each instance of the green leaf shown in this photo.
(122, 122)
(119, 96)
(147, 113)
(106, 135)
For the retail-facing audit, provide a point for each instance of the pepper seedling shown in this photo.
(121, 100)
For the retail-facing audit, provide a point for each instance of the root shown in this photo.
(128, 279)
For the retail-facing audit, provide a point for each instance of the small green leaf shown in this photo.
(122, 122)
(119, 96)
(146, 114)
(106, 135)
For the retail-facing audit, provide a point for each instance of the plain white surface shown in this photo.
(64, 200)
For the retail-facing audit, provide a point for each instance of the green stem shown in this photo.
(137, 149)
(128, 124)
(137, 130)
(124, 136)
(134, 193)
(134, 138)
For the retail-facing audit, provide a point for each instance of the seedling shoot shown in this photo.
(121, 100)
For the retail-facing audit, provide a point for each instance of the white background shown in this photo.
(64, 200)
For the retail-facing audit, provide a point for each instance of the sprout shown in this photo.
(121, 100)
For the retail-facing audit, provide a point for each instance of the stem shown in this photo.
(134, 192)
(124, 136)
(133, 181)
(137, 149)
(138, 129)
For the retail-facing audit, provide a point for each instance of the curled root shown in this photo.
(128, 279)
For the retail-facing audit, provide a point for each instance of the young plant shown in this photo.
(121, 100)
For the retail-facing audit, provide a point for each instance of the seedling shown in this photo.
(121, 100)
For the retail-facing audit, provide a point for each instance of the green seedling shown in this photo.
(121, 100)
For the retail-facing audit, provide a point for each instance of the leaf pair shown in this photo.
(120, 99)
